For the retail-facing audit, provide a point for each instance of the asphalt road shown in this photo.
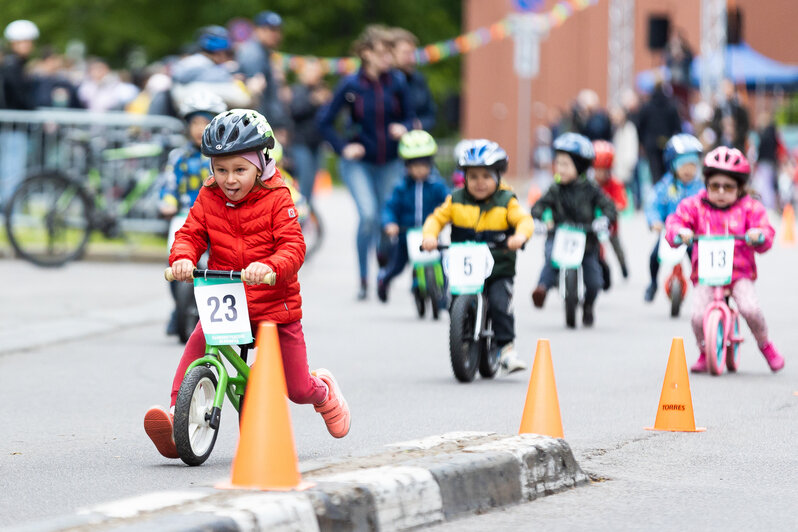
(85, 356)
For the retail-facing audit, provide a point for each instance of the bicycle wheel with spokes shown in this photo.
(714, 342)
(48, 219)
(194, 436)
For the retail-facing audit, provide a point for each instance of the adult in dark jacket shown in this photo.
(659, 121)
(307, 96)
(380, 112)
(404, 46)
(732, 110)
(16, 92)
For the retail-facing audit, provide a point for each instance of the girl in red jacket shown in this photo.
(244, 212)
(614, 189)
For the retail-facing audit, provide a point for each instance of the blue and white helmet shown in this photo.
(481, 152)
(679, 145)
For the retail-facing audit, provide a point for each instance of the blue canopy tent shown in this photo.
(744, 65)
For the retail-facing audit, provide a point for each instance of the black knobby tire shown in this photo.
(194, 436)
(313, 232)
(676, 297)
(488, 358)
(571, 297)
(187, 313)
(420, 300)
(432, 291)
(48, 219)
(463, 350)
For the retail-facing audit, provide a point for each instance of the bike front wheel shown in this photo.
(715, 342)
(194, 435)
(571, 297)
(48, 219)
(463, 350)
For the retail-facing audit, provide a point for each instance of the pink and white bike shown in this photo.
(722, 335)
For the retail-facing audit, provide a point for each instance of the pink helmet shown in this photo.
(727, 161)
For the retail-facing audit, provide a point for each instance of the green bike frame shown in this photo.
(233, 386)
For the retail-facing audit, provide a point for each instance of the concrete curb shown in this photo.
(412, 484)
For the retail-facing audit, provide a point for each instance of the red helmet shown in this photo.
(727, 161)
(604, 154)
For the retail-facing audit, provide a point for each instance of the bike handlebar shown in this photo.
(491, 245)
(269, 278)
(678, 239)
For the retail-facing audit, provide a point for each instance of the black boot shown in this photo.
(587, 314)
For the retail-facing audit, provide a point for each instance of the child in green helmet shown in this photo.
(413, 198)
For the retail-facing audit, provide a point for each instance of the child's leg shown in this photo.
(500, 299)
(591, 273)
(548, 275)
(748, 305)
(653, 264)
(616, 246)
(195, 348)
(303, 388)
(702, 297)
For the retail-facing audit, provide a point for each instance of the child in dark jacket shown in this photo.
(413, 199)
(573, 199)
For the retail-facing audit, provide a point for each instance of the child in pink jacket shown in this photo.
(726, 208)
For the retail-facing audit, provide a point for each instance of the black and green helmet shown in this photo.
(237, 131)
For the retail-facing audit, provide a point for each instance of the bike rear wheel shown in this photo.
(489, 359)
(676, 297)
(714, 342)
(464, 352)
(571, 297)
(194, 436)
(48, 219)
(733, 349)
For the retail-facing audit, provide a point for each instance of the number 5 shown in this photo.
(468, 268)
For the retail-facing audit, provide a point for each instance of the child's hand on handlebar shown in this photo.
(429, 243)
(686, 235)
(515, 242)
(656, 227)
(754, 237)
(391, 229)
(182, 270)
(255, 272)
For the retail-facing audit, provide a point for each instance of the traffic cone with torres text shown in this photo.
(542, 408)
(675, 412)
(266, 457)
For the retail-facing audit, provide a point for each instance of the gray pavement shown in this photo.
(86, 355)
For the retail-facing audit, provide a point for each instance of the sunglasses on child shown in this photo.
(717, 187)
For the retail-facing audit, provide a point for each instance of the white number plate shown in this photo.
(569, 247)
(468, 265)
(222, 305)
(715, 260)
(414, 238)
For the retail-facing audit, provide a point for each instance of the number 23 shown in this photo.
(231, 306)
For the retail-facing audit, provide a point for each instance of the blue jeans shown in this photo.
(306, 164)
(13, 160)
(370, 185)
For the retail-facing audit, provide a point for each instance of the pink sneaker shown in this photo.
(159, 426)
(334, 409)
(700, 365)
(775, 360)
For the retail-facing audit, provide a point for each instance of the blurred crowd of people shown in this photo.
(640, 126)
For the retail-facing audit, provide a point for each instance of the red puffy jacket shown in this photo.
(262, 227)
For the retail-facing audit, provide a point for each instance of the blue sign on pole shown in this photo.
(527, 5)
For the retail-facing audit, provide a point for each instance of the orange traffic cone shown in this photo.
(788, 225)
(542, 408)
(323, 184)
(675, 412)
(266, 457)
